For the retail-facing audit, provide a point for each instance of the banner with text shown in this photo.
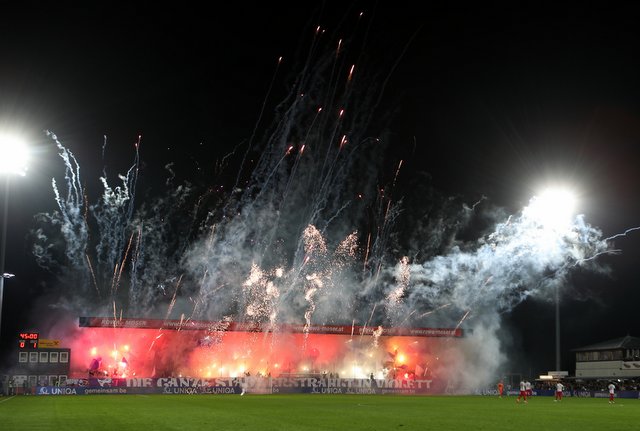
(252, 385)
(223, 326)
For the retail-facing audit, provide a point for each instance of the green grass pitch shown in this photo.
(313, 412)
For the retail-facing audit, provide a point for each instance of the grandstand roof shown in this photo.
(627, 342)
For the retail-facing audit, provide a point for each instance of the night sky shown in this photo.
(487, 100)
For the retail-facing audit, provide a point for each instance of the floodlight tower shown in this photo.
(13, 161)
(554, 210)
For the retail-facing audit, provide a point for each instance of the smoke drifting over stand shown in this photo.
(305, 232)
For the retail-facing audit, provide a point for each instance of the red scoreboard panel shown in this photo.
(28, 340)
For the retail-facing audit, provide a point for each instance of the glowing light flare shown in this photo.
(553, 209)
(343, 141)
(14, 155)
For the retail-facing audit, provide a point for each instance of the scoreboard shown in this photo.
(28, 340)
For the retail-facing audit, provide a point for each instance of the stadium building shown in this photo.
(618, 358)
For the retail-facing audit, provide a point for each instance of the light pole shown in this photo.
(557, 328)
(3, 242)
(554, 210)
(13, 161)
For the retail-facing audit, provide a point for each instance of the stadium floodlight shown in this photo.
(554, 208)
(14, 155)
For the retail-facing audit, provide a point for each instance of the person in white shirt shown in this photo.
(612, 390)
(559, 389)
(523, 392)
(527, 385)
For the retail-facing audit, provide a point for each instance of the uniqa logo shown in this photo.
(63, 391)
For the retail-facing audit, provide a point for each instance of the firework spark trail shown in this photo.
(316, 250)
(299, 155)
(366, 254)
(426, 313)
(394, 298)
(173, 299)
(327, 165)
(255, 128)
(462, 319)
(93, 276)
(373, 310)
(115, 315)
(406, 319)
(114, 280)
(72, 175)
(122, 264)
(618, 235)
(377, 252)
(113, 215)
(264, 188)
(134, 265)
(71, 220)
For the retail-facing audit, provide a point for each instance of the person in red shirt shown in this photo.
(500, 388)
